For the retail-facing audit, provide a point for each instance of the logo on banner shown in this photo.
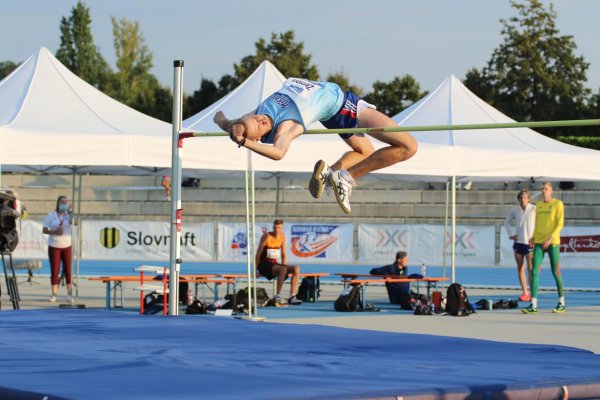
(239, 243)
(109, 237)
(580, 244)
(312, 240)
(389, 238)
(464, 244)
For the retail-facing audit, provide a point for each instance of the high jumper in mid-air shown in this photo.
(285, 115)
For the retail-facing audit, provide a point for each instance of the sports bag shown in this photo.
(308, 291)
(457, 301)
(349, 299)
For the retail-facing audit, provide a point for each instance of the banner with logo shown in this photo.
(312, 243)
(579, 247)
(144, 240)
(33, 244)
(233, 243)
(378, 243)
(316, 243)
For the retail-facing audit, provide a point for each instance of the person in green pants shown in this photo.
(549, 220)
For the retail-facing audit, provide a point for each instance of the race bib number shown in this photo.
(302, 87)
(273, 254)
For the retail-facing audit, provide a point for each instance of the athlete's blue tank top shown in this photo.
(302, 101)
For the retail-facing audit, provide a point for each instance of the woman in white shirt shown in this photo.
(58, 226)
(523, 216)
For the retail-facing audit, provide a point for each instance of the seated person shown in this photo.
(270, 249)
(398, 292)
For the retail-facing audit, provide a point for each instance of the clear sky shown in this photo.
(367, 40)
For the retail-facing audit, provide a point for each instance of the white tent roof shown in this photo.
(49, 117)
(491, 154)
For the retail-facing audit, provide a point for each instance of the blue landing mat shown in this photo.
(98, 354)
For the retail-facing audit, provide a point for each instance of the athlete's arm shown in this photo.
(261, 248)
(283, 252)
(286, 132)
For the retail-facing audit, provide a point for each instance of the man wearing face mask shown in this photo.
(58, 226)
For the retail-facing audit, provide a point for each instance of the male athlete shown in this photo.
(284, 116)
(549, 220)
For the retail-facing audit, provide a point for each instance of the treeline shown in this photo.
(533, 75)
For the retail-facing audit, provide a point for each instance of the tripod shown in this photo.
(11, 279)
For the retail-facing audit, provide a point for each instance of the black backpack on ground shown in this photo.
(457, 301)
(308, 291)
(9, 237)
(262, 298)
(349, 300)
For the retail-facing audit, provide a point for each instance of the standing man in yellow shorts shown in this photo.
(549, 220)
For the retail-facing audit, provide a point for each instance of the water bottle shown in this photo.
(423, 270)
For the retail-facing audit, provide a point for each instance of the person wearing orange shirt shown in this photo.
(271, 262)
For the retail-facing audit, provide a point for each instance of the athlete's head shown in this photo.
(278, 225)
(547, 191)
(402, 258)
(256, 126)
(523, 197)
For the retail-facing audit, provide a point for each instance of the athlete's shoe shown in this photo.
(280, 300)
(319, 179)
(294, 301)
(70, 299)
(342, 188)
(525, 297)
(529, 310)
(53, 299)
(559, 309)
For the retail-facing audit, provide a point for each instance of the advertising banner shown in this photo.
(320, 243)
(144, 240)
(314, 243)
(378, 243)
(233, 243)
(33, 244)
(579, 247)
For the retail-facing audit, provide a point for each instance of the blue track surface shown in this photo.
(97, 354)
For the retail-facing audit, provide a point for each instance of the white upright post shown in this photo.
(453, 228)
(176, 144)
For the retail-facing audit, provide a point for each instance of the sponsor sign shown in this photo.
(579, 247)
(378, 243)
(320, 242)
(145, 240)
(305, 242)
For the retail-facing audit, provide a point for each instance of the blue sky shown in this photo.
(367, 40)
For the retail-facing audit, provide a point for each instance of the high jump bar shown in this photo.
(502, 125)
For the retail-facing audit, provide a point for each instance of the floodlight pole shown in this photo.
(176, 145)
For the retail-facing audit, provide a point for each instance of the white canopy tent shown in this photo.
(51, 121)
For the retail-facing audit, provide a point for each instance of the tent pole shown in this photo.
(78, 214)
(445, 229)
(176, 149)
(453, 228)
(253, 240)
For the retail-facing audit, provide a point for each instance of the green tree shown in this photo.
(286, 54)
(6, 67)
(77, 50)
(534, 74)
(132, 83)
(393, 97)
(341, 79)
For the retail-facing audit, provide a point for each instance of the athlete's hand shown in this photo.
(237, 134)
(221, 120)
